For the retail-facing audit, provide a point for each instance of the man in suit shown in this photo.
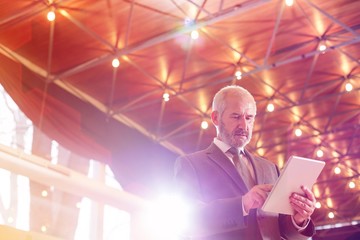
(225, 197)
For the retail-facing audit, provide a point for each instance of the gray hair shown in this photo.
(218, 103)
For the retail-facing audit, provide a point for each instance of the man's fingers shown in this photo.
(304, 205)
(308, 193)
(265, 187)
(260, 196)
(257, 195)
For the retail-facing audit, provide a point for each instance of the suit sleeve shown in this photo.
(288, 231)
(206, 218)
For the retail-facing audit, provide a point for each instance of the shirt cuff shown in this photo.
(244, 212)
(300, 228)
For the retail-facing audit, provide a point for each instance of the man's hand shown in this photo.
(256, 197)
(304, 206)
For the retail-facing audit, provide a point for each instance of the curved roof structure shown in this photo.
(304, 59)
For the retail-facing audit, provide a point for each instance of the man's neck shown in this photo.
(225, 146)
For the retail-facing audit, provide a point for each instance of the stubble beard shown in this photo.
(234, 138)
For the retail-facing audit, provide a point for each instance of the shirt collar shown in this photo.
(224, 147)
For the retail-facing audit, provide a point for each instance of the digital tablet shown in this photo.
(298, 171)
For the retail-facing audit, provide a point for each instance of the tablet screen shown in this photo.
(298, 171)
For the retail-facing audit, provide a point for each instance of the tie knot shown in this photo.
(234, 151)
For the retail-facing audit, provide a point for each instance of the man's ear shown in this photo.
(215, 118)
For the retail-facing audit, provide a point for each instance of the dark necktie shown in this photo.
(241, 167)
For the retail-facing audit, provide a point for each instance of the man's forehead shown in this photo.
(247, 108)
(240, 104)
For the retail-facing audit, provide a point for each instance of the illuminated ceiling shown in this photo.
(276, 48)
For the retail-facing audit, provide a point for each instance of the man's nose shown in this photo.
(242, 123)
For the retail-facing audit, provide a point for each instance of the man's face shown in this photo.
(236, 123)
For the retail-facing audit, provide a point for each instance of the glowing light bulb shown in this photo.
(270, 107)
(331, 215)
(204, 124)
(289, 3)
(44, 193)
(348, 87)
(166, 97)
(51, 16)
(352, 184)
(238, 74)
(194, 34)
(322, 47)
(298, 132)
(337, 170)
(318, 205)
(115, 63)
(319, 153)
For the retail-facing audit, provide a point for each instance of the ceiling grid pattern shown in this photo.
(276, 48)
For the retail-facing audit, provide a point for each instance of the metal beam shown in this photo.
(336, 21)
(164, 37)
(85, 29)
(85, 97)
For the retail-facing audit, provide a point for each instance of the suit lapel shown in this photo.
(219, 158)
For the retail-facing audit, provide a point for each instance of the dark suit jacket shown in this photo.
(211, 183)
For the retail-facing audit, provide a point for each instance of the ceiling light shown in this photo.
(51, 16)
(238, 74)
(319, 153)
(204, 124)
(44, 193)
(194, 34)
(348, 87)
(331, 215)
(289, 3)
(318, 205)
(298, 132)
(166, 97)
(337, 170)
(115, 63)
(270, 107)
(351, 184)
(322, 47)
